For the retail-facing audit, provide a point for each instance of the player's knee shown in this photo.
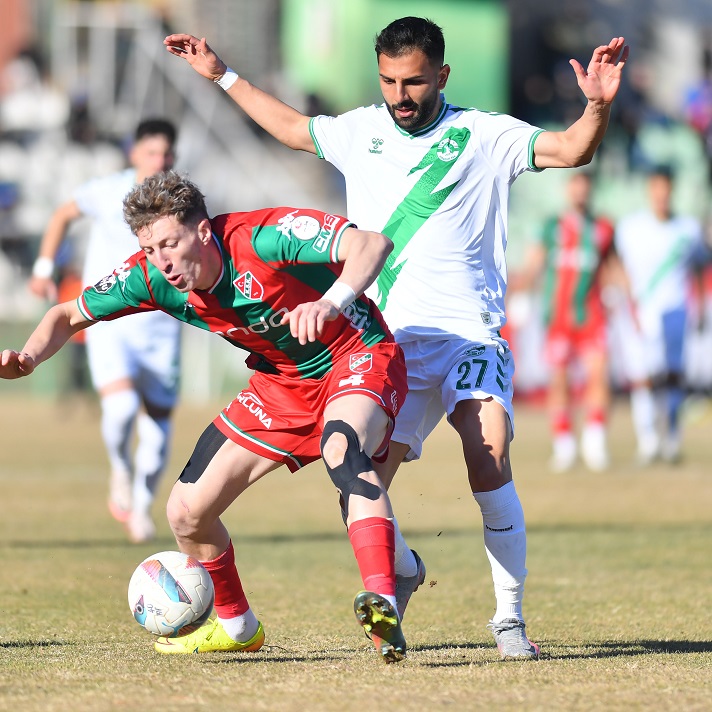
(183, 522)
(345, 461)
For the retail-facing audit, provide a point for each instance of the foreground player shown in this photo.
(574, 250)
(283, 284)
(435, 179)
(134, 364)
(658, 250)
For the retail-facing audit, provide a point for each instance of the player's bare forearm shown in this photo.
(282, 121)
(364, 255)
(57, 326)
(577, 145)
(599, 82)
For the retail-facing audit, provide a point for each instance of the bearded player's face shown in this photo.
(411, 86)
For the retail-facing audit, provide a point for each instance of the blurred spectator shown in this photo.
(29, 102)
(698, 107)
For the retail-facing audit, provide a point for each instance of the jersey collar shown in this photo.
(222, 264)
(430, 126)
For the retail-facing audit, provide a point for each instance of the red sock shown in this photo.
(230, 599)
(561, 422)
(596, 416)
(373, 542)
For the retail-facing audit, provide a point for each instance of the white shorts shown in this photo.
(657, 348)
(443, 373)
(142, 347)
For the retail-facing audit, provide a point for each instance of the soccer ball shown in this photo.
(171, 594)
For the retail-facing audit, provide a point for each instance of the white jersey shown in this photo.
(111, 242)
(657, 256)
(441, 195)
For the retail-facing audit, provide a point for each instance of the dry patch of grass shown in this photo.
(617, 591)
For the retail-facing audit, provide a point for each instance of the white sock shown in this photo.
(406, 564)
(506, 547)
(241, 628)
(643, 411)
(150, 459)
(118, 413)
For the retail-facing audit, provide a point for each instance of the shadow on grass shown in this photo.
(33, 644)
(335, 535)
(615, 649)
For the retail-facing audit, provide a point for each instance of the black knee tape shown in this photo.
(208, 444)
(346, 475)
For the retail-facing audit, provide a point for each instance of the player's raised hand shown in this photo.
(14, 364)
(44, 288)
(197, 53)
(306, 321)
(600, 80)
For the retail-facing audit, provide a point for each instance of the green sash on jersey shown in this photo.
(420, 203)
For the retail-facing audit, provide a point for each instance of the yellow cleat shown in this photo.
(209, 638)
(381, 624)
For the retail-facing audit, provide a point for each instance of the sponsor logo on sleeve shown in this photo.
(327, 232)
(305, 227)
(249, 286)
(106, 283)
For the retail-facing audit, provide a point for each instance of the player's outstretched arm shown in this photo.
(363, 253)
(285, 123)
(58, 325)
(599, 83)
(41, 282)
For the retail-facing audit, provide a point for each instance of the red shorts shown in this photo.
(564, 343)
(282, 418)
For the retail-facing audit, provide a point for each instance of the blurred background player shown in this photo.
(658, 250)
(570, 258)
(134, 363)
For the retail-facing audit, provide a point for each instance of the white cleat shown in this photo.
(120, 495)
(140, 527)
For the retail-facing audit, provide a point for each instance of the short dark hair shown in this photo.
(411, 33)
(156, 127)
(662, 170)
(163, 195)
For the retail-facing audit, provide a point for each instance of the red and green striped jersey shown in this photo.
(272, 260)
(576, 246)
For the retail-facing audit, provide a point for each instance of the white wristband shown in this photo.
(43, 267)
(340, 294)
(227, 79)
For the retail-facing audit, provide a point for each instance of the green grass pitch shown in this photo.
(618, 593)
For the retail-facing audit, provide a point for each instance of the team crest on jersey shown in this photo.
(249, 286)
(486, 317)
(448, 150)
(305, 227)
(361, 363)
